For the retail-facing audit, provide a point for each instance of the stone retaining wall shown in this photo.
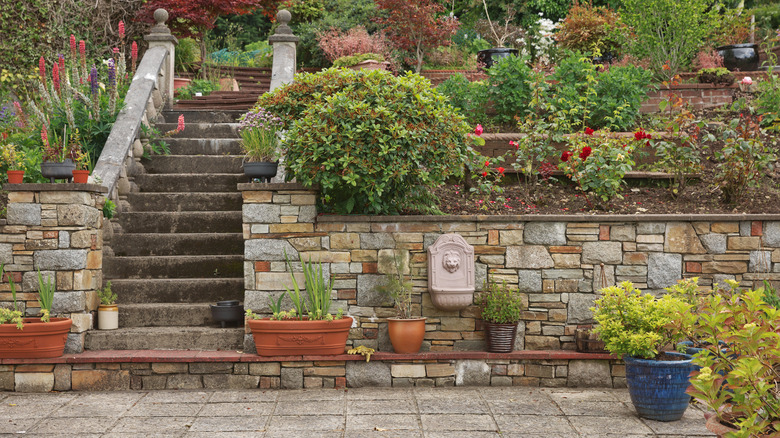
(54, 229)
(317, 373)
(558, 263)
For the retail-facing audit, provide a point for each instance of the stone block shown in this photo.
(439, 370)
(211, 368)
(529, 281)
(579, 308)
(82, 198)
(570, 274)
(603, 277)
(542, 371)
(344, 241)
(472, 373)
(724, 267)
(292, 378)
(265, 369)
(760, 261)
(81, 322)
(169, 368)
(651, 228)
(510, 237)
(725, 227)
(83, 239)
(528, 257)
(407, 370)
(623, 233)
(77, 215)
(743, 243)
(663, 270)
(153, 382)
(368, 293)
(545, 233)
(449, 324)
(30, 280)
(33, 382)
(634, 271)
(542, 343)
(602, 252)
(6, 253)
(68, 302)
(183, 381)
(100, 380)
(566, 260)
(714, 243)
(23, 214)
(772, 234)
(376, 241)
(589, 374)
(680, 237)
(7, 381)
(60, 259)
(230, 381)
(261, 213)
(368, 374)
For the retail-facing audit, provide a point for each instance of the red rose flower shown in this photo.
(487, 163)
(566, 155)
(478, 130)
(589, 131)
(585, 152)
(484, 174)
(501, 170)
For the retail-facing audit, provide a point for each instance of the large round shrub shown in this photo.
(373, 142)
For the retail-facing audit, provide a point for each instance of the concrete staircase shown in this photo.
(179, 245)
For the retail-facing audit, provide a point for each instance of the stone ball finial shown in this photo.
(283, 16)
(160, 16)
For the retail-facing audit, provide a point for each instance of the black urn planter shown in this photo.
(486, 58)
(261, 170)
(58, 170)
(229, 311)
(742, 57)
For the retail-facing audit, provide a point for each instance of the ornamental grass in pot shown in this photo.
(739, 378)
(32, 338)
(308, 328)
(636, 327)
(406, 331)
(260, 135)
(501, 308)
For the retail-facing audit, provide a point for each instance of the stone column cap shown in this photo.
(160, 32)
(283, 33)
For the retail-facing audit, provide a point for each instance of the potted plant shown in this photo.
(308, 328)
(730, 38)
(57, 154)
(406, 331)
(738, 378)
(81, 172)
(363, 61)
(13, 160)
(501, 307)
(498, 35)
(108, 311)
(260, 131)
(636, 326)
(32, 338)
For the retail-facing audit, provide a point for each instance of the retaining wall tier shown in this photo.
(55, 230)
(557, 262)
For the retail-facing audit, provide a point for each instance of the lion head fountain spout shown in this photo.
(451, 272)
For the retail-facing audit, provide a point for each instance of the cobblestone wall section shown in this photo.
(558, 266)
(55, 230)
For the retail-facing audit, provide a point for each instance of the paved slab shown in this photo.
(339, 413)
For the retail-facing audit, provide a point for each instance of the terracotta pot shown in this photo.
(180, 83)
(80, 176)
(300, 337)
(15, 176)
(108, 317)
(406, 335)
(36, 340)
(720, 429)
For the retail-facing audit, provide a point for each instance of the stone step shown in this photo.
(166, 315)
(178, 290)
(187, 182)
(194, 164)
(202, 130)
(180, 221)
(166, 338)
(159, 244)
(207, 267)
(184, 201)
(203, 116)
(205, 146)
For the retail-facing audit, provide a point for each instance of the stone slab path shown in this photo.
(377, 412)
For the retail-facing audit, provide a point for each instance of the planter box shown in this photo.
(36, 340)
(297, 338)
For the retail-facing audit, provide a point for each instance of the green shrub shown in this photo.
(186, 55)
(203, 86)
(373, 142)
(620, 92)
(573, 96)
(500, 304)
(470, 98)
(509, 89)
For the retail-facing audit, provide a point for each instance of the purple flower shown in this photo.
(111, 73)
(93, 80)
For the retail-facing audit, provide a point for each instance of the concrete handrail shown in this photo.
(125, 130)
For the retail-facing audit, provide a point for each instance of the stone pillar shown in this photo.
(283, 42)
(57, 230)
(160, 35)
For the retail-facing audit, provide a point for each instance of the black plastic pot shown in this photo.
(261, 170)
(500, 338)
(742, 57)
(227, 311)
(486, 58)
(58, 170)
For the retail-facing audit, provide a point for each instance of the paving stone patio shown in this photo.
(405, 412)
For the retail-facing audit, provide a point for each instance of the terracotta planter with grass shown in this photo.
(300, 337)
(36, 340)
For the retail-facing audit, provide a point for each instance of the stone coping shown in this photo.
(61, 187)
(189, 356)
(248, 187)
(595, 218)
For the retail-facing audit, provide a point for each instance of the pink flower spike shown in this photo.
(42, 69)
(44, 136)
(73, 45)
(122, 29)
(116, 50)
(82, 49)
(478, 130)
(55, 76)
(180, 126)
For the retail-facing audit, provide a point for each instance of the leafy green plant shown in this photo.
(741, 367)
(186, 55)
(107, 297)
(373, 142)
(634, 323)
(768, 91)
(471, 98)
(260, 132)
(397, 286)
(715, 75)
(202, 86)
(620, 92)
(45, 296)
(500, 303)
(8, 316)
(348, 61)
(109, 209)
(509, 89)
(742, 159)
(589, 28)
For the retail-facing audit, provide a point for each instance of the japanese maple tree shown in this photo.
(417, 25)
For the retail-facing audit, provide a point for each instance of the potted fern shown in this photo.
(32, 338)
(308, 328)
(406, 331)
(108, 311)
